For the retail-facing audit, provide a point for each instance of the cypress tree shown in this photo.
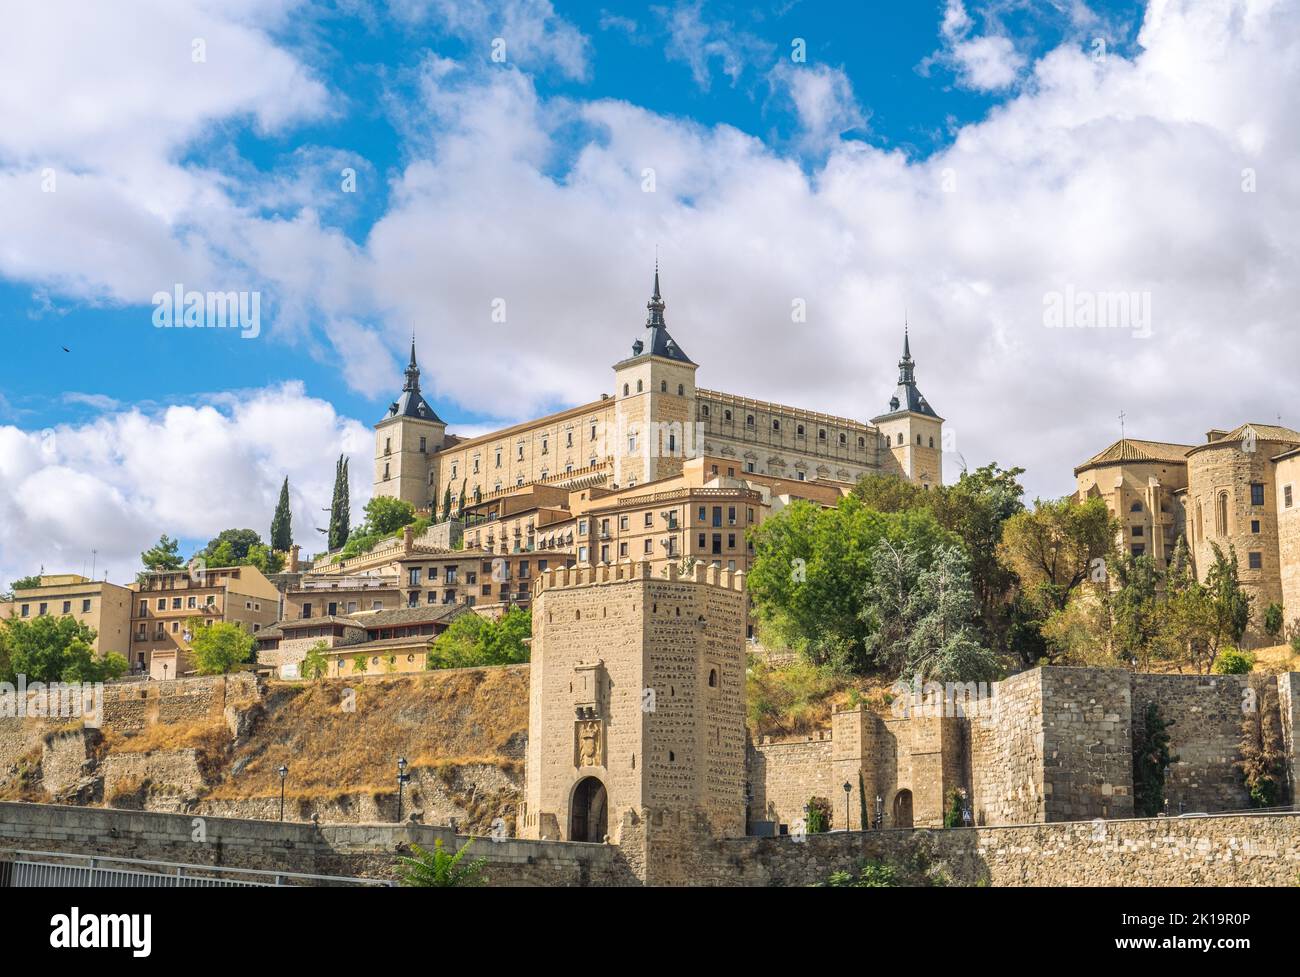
(339, 506)
(282, 522)
(460, 504)
(446, 503)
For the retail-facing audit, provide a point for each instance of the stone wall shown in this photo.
(783, 776)
(1005, 754)
(1205, 736)
(131, 706)
(353, 850)
(1228, 850)
(1087, 743)
(676, 849)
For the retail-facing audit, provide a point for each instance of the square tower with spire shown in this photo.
(911, 429)
(654, 393)
(407, 442)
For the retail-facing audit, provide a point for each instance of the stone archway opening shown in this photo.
(588, 820)
(903, 809)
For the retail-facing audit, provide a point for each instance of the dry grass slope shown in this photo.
(434, 719)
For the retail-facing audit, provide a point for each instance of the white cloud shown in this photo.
(534, 36)
(823, 101)
(699, 43)
(115, 483)
(984, 62)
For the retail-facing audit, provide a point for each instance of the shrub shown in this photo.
(439, 868)
(1263, 754)
(314, 664)
(871, 875)
(818, 813)
(953, 810)
(1232, 661)
(1150, 759)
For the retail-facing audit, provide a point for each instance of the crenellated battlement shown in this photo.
(564, 578)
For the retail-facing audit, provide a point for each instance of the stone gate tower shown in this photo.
(636, 700)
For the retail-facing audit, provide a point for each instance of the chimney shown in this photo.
(408, 540)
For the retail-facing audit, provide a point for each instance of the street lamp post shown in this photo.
(847, 789)
(402, 778)
(283, 772)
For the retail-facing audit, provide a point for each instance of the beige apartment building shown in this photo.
(365, 643)
(164, 602)
(1238, 489)
(101, 605)
(646, 430)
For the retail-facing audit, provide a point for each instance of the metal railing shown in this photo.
(42, 869)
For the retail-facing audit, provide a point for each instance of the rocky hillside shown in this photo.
(214, 746)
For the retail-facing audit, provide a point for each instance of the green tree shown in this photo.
(1135, 607)
(471, 641)
(460, 502)
(440, 868)
(238, 548)
(1273, 622)
(22, 583)
(812, 568)
(943, 644)
(1231, 602)
(314, 663)
(220, 647)
(446, 503)
(282, 522)
(340, 507)
(385, 515)
(163, 556)
(976, 509)
(1053, 549)
(54, 649)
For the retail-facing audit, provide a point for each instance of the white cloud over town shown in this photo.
(1099, 175)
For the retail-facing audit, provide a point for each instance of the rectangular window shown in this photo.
(703, 541)
(1138, 549)
(422, 446)
(731, 541)
(413, 577)
(622, 522)
(162, 603)
(1256, 493)
(649, 547)
(27, 609)
(1256, 560)
(1137, 530)
(717, 542)
(193, 602)
(622, 549)
(176, 603)
(1254, 525)
(731, 515)
(1286, 497)
(85, 607)
(717, 515)
(649, 519)
(332, 608)
(67, 607)
(604, 554)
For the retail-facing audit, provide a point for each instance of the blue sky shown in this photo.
(883, 48)
(959, 162)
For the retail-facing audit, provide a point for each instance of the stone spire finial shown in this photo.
(412, 371)
(655, 305)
